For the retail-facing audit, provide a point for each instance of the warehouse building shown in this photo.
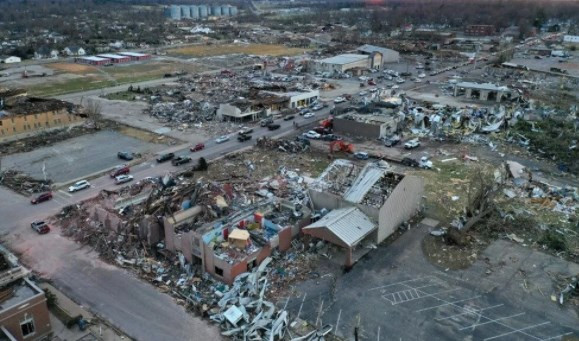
(115, 58)
(342, 63)
(92, 60)
(379, 55)
(136, 56)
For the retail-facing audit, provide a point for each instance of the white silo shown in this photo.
(185, 12)
(194, 12)
(203, 11)
(225, 10)
(232, 10)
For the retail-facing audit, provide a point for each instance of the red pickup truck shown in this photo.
(120, 170)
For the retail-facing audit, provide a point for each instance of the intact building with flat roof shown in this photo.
(98, 61)
(136, 56)
(115, 58)
(379, 55)
(342, 63)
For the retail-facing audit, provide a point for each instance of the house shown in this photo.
(379, 55)
(22, 116)
(23, 309)
(74, 51)
(45, 52)
(10, 59)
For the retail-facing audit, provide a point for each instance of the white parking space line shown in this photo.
(396, 297)
(65, 193)
(469, 312)
(449, 303)
(517, 331)
(338, 321)
(557, 336)
(492, 321)
(401, 282)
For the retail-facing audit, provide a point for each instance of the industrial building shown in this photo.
(115, 58)
(22, 116)
(136, 56)
(92, 60)
(181, 12)
(379, 55)
(342, 63)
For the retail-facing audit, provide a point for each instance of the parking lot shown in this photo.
(395, 294)
(78, 157)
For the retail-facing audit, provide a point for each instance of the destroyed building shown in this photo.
(372, 126)
(22, 116)
(238, 243)
(23, 308)
(482, 91)
(364, 203)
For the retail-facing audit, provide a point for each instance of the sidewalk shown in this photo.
(97, 330)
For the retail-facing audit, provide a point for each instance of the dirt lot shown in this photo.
(73, 68)
(252, 49)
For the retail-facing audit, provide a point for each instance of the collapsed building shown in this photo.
(483, 91)
(364, 204)
(23, 116)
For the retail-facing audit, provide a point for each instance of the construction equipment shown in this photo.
(328, 123)
(341, 146)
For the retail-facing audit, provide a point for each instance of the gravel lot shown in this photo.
(79, 156)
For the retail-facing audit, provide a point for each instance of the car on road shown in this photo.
(221, 139)
(78, 186)
(181, 160)
(40, 226)
(121, 179)
(331, 137)
(127, 156)
(273, 126)
(414, 143)
(289, 118)
(245, 131)
(362, 93)
(165, 157)
(312, 135)
(120, 170)
(394, 87)
(339, 99)
(197, 147)
(361, 155)
(421, 75)
(400, 80)
(317, 107)
(243, 138)
(392, 141)
(309, 115)
(41, 198)
(304, 111)
(266, 122)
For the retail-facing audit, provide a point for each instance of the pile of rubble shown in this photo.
(23, 183)
(286, 146)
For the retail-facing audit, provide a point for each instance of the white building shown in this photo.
(379, 55)
(297, 99)
(342, 63)
(10, 60)
(571, 39)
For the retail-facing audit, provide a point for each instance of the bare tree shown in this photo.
(92, 111)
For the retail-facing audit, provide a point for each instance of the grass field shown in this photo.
(251, 49)
(102, 77)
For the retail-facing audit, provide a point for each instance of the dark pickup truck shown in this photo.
(243, 138)
(181, 160)
(165, 157)
(273, 126)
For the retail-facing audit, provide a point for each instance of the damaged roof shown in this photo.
(350, 225)
(369, 175)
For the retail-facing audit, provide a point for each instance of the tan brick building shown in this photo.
(25, 116)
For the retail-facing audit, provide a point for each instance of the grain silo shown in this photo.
(232, 10)
(175, 12)
(185, 12)
(203, 11)
(216, 10)
(194, 12)
(225, 10)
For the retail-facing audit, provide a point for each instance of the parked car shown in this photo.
(304, 111)
(318, 107)
(197, 147)
(371, 82)
(309, 115)
(181, 160)
(120, 170)
(400, 80)
(339, 100)
(330, 137)
(273, 126)
(392, 141)
(165, 157)
(312, 135)
(362, 93)
(289, 118)
(361, 155)
(127, 156)
(121, 179)
(414, 143)
(425, 163)
(40, 226)
(80, 185)
(221, 139)
(245, 131)
(266, 122)
(243, 138)
(41, 198)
